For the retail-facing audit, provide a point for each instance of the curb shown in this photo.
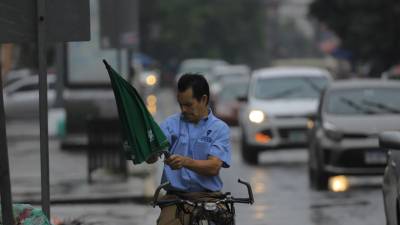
(143, 200)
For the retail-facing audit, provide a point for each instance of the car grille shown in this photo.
(284, 132)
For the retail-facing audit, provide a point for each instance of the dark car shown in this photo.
(343, 136)
(225, 102)
(390, 140)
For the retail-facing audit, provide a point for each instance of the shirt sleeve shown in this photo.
(221, 147)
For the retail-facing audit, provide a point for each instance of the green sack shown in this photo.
(25, 214)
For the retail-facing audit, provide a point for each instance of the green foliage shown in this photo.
(232, 30)
(369, 29)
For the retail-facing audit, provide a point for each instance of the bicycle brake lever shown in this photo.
(249, 191)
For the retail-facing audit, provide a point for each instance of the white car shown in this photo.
(21, 98)
(279, 102)
(198, 65)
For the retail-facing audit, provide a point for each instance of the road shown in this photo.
(280, 185)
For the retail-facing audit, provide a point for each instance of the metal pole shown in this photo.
(60, 57)
(5, 186)
(44, 145)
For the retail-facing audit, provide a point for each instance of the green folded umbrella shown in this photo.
(143, 137)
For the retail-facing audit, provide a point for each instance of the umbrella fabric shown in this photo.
(143, 137)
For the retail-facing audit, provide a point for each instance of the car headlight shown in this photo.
(331, 132)
(151, 80)
(256, 116)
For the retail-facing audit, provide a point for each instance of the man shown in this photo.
(200, 146)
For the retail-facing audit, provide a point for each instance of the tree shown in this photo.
(369, 29)
(231, 30)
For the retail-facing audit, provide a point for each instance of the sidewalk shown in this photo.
(68, 173)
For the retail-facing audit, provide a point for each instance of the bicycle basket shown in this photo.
(222, 215)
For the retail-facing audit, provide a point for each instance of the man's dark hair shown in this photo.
(198, 84)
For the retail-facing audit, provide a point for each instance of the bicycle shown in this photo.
(220, 211)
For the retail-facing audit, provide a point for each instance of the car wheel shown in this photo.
(318, 179)
(249, 154)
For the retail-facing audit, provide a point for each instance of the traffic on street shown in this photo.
(280, 185)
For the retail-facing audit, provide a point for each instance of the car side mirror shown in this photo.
(390, 140)
(242, 99)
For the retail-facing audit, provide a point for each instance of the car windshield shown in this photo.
(289, 87)
(363, 101)
(232, 91)
(229, 76)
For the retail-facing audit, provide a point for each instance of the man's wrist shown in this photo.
(187, 162)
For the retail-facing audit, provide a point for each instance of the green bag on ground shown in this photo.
(25, 214)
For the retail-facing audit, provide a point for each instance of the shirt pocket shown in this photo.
(201, 149)
(180, 146)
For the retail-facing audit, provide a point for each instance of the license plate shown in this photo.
(375, 157)
(297, 136)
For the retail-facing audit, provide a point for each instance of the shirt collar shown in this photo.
(205, 119)
(210, 114)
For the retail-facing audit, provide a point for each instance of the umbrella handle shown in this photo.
(167, 154)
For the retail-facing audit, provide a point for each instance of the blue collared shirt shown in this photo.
(209, 137)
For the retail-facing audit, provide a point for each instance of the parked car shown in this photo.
(21, 97)
(344, 133)
(390, 141)
(225, 103)
(278, 104)
(15, 75)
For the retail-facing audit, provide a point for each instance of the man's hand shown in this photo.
(208, 167)
(176, 161)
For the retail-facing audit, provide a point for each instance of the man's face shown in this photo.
(192, 109)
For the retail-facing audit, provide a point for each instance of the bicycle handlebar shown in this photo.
(227, 199)
(157, 192)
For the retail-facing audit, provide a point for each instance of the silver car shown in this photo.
(21, 98)
(344, 135)
(279, 101)
(390, 141)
